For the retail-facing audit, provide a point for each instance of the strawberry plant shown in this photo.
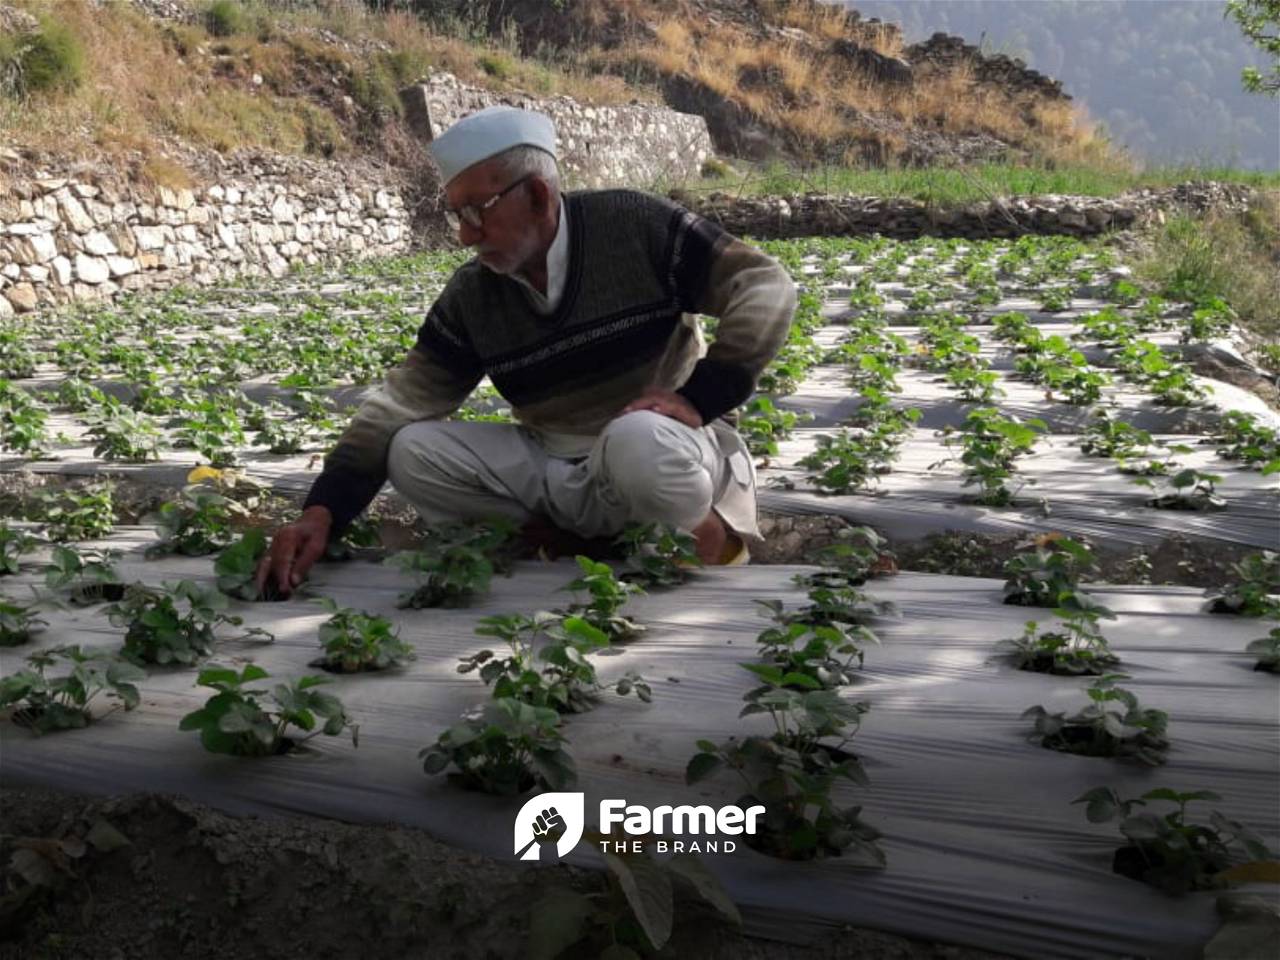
(1211, 319)
(505, 747)
(1256, 590)
(1107, 436)
(608, 596)
(17, 360)
(991, 443)
(762, 425)
(1076, 647)
(44, 704)
(1243, 438)
(86, 575)
(455, 565)
(68, 514)
(793, 772)
(831, 605)
(22, 421)
(122, 434)
(236, 568)
(17, 622)
(1169, 851)
(13, 544)
(809, 657)
(354, 640)
(159, 631)
(975, 385)
(636, 913)
(1191, 490)
(846, 462)
(235, 721)
(212, 427)
(1114, 724)
(567, 683)
(196, 524)
(1048, 572)
(858, 554)
(1267, 650)
(659, 555)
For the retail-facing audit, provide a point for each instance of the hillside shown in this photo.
(144, 79)
(1163, 77)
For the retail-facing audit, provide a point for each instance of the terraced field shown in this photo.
(1026, 390)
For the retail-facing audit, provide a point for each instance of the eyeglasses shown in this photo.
(472, 214)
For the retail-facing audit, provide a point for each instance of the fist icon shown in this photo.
(548, 826)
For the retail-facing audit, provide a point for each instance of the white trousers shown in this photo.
(642, 468)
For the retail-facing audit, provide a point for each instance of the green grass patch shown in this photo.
(954, 185)
(49, 60)
(1232, 256)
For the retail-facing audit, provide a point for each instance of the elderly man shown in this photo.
(582, 310)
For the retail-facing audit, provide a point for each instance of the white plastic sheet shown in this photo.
(984, 847)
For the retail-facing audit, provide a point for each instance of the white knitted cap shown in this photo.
(487, 133)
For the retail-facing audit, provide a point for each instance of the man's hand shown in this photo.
(294, 548)
(667, 403)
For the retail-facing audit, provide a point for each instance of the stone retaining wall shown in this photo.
(88, 236)
(599, 146)
(817, 215)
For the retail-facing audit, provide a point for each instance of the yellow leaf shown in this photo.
(1260, 871)
(204, 473)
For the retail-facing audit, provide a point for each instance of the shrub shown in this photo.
(51, 59)
(225, 18)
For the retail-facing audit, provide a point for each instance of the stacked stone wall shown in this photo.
(599, 146)
(90, 235)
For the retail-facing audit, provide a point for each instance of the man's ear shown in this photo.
(540, 196)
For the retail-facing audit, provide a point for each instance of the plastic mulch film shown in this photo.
(984, 846)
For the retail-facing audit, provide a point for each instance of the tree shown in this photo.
(1260, 22)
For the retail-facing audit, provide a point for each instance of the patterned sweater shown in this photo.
(639, 269)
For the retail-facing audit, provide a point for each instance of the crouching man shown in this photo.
(581, 308)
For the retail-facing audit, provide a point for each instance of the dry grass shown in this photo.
(148, 80)
(274, 86)
(822, 102)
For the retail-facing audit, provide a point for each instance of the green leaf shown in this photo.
(705, 882)
(701, 766)
(647, 888)
(557, 920)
